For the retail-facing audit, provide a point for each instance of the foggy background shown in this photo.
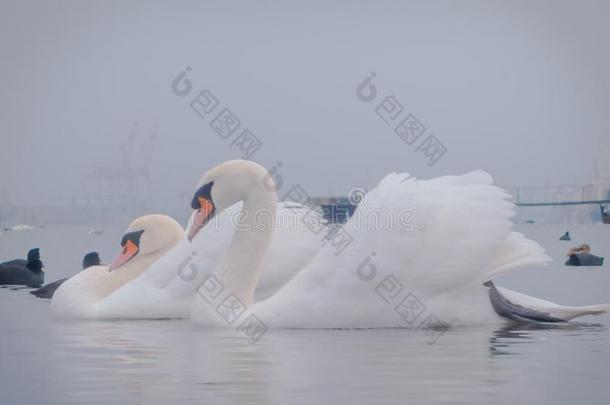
(519, 89)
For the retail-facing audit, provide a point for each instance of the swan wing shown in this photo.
(428, 237)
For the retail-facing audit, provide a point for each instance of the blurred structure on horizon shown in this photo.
(598, 189)
(112, 192)
(118, 195)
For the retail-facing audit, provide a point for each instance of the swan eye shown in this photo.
(131, 247)
(204, 208)
(204, 192)
(134, 237)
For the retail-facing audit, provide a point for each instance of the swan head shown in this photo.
(148, 236)
(224, 185)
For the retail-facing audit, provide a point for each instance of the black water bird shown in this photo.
(23, 272)
(582, 256)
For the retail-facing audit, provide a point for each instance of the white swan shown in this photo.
(166, 289)
(146, 240)
(392, 275)
(162, 283)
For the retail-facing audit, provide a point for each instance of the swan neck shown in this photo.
(240, 268)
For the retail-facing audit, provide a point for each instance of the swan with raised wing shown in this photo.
(447, 239)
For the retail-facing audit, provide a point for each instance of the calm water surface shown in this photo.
(48, 361)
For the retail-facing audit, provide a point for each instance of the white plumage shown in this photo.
(459, 238)
(166, 282)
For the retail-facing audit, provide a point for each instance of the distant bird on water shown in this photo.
(581, 256)
(23, 272)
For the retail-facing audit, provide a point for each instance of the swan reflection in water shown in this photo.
(152, 361)
(507, 340)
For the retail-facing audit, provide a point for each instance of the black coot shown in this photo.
(23, 272)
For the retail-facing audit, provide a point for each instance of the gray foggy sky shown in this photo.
(520, 89)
